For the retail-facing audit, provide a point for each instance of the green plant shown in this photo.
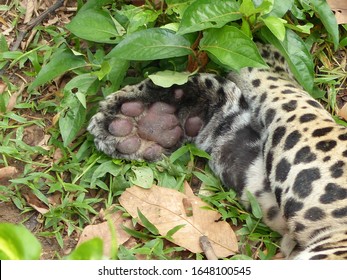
(17, 243)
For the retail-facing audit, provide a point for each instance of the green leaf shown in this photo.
(143, 176)
(125, 254)
(151, 44)
(205, 14)
(135, 233)
(89, 250)
(276, 26)
(322, 8)
(256, 210)
(74, 188)
(3, 44)
(93, 4)
(178, 153)
(208, 180)
(230, 47)
(251, 7)
(106, 167)
(72, 119)
(197, 152)
(280, 8)
(177, 6)
(139, 17)
(116, 75)
(81, 86)
(167, 78)
(172, 231)
(60, 63)
(297, 56)
(147, 224)
(94, 25)
(301, 28)
(18, 243)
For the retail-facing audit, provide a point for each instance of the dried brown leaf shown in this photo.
(13, 99)
(166, 209)
(35, 203)
(340, 9)
(3, 87)
(8, 172)
(30, 7)
(103, 231)
(342, 113)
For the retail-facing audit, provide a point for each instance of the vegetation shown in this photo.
(52, 86)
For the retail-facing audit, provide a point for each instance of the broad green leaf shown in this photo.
(103, 71)
(276, 26)
(297, 56)
(89, 250)
(18, 243)
(138, 17)
(94, 25)
(168, 78)
(151, 44)
(106, 167)
(343, 42)
(256, 210)
(251, 7)
(280, 8)
(246, 28)
(230, 47)
(81, 86)
(60, 63)
(322, 8)
(177, 6)
(205, 14)
(143, 176)
(71, 119)
(116, 75)
(93, 4)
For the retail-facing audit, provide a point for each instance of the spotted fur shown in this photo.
(265, 134)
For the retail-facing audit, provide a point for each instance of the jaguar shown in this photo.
(265, 135)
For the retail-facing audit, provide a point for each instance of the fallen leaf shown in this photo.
(33, 135)
(166, 208)
(30, 6)
(3, 87)
(35, 203)
(13, 99)
(57, 155)
(342, 113)
(339, 7)
(8, 172)
(103, 231)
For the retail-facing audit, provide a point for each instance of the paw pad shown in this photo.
(139, 130)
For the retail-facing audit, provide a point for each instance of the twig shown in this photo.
(30, 25)
(207, 248)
